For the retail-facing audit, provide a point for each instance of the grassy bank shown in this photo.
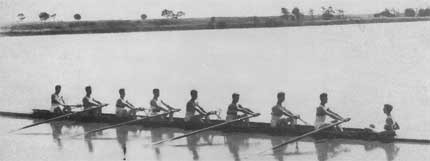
(113, 26)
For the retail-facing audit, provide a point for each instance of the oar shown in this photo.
(125, 123)
(305, 135)
(78, 105)
(205, 129)
(306, 123)
(58, 117)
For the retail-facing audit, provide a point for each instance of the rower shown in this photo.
(57, 101)
(192, 107)
(278, 111)
(323, 111)
(122, 104)
(390, 124)
(89, 102)
(233, 108)
(156, 107)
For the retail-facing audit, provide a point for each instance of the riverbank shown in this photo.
(114, 26)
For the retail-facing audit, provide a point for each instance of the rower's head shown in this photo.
(281, 97)
(323, 98)
(156, 92)
(57, 89)
(235, 97)
(122, 92)
(88, 90)
(194, 94)
(387, 109)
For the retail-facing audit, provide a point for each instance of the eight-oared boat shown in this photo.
(251, 127)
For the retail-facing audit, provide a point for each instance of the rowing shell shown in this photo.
(251, 127)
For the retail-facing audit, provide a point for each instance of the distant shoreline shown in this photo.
(117, 26)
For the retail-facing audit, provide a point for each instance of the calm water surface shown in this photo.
(361, 67)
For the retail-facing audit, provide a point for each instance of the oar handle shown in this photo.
(256, 114)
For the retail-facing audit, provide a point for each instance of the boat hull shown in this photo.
(251, 127)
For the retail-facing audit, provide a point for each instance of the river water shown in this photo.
(361, 67)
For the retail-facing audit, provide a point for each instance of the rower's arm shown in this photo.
(62, 101)
(59, 100)
(287, 112)
(168, 106)
(244, 110)
(129, 105)
(154, 104)
(396, 126)
(90, 102)
(97, 102)
(201, 109)
(334, 115)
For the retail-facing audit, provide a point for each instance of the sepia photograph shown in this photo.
(214, 80)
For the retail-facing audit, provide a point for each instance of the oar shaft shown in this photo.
(304, 121)
(60, 117)
(205, 129)
(307, 134)
(45, 121)
(125, 123)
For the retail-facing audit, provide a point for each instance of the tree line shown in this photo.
(43, 16)
(408, 12)
(327, 13)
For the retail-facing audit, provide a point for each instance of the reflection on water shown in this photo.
(391, 150)
(327, 149)
(157, 135)
(193, 140)
(234, 142)
(279, 152)
(237, 144)
(122, 136)
(88, 138)
(56, 132)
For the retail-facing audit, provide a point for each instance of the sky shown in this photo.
(132, 9)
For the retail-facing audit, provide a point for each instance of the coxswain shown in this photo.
(234, 108)
(390, 124)
(157, 105)
(89, 102)
(279, 110)
(192, 107)
(323, 111)
(122, 104)
(57, 101)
